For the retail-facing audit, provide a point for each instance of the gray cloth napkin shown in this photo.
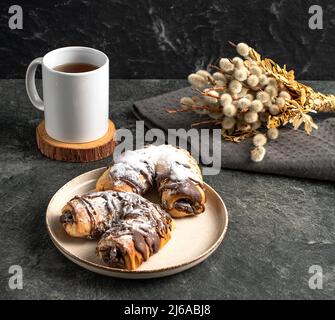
(294, 153)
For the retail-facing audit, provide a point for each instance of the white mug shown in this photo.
(75, 105)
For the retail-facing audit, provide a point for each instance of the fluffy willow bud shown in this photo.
(259, 140)
(251, 117)
(235, 86)
(285, 95)
(263, 96)
(205, 74)
(212, 97)
(226, 99)
(197, 81)
(186, 102)
(255, 70)
(273, 133)
(228, 123)
(274, 109)
(241, 74)
(257, 154)
(238, 62)
(280, 102)
(253, 80)
(229, 110)
(243, 103)
(218, 76)
(242, 49)
(226, 65)
(271, 90)
(256, 106)
(263, 80)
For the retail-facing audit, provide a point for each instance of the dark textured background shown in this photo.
(278, 226)
(270, 244)
(169, 39)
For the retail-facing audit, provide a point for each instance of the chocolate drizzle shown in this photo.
(140, 244)
(172, 169)
(122, 219)
(90, 215)
(153, 241)
(124, 172)
(182, 188)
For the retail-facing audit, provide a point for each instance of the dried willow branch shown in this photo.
(305, 99)
(296, 110)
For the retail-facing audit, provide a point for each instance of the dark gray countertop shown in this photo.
(279, 226)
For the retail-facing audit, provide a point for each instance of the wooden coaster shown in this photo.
(76, 152)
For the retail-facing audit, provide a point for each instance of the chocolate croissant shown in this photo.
(132, 228)
(139, 233)
(175, 171)
(90, 215)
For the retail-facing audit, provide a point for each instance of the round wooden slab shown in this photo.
(76, 152)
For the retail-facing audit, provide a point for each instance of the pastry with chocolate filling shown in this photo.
(90, 215)
(175, 172)
(138, 234)
(131, 228)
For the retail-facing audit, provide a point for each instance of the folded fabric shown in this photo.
(294, 153)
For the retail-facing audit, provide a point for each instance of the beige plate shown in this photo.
(193, 239)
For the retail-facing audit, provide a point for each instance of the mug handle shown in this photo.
(31, 85)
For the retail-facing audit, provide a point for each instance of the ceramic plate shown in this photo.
(193, 239)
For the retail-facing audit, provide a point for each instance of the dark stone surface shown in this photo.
(279, 226)
(169, 39)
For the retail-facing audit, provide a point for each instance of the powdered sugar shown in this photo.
(153, 161)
